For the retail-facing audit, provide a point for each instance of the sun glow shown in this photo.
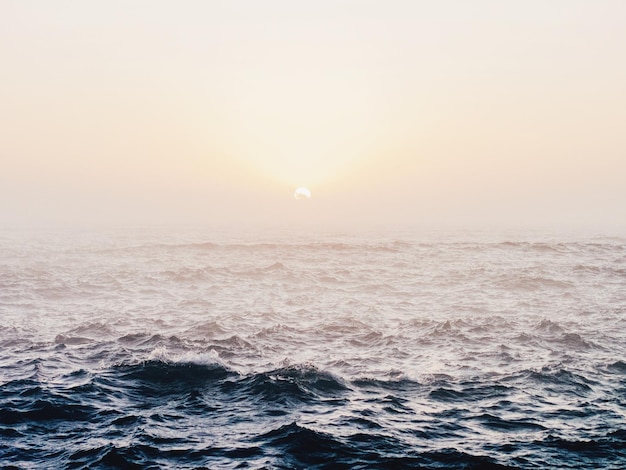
(302, 193)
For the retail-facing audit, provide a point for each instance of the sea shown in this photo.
(197, 348)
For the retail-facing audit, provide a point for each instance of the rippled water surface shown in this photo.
(201, 350)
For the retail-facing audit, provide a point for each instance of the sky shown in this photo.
(395, 114)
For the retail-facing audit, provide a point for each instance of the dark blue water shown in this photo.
(121, 353)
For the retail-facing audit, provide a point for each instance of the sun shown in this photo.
(302, 193)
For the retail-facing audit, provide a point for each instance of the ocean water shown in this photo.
(201, 349)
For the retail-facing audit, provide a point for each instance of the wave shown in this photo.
(508, 425)
(45, 410)
(470, 392)
(533, 283)
(400, 383)
(604, 245)
(305, 447)
(573, 341)
(164, 378)
(605, 451)
(549, 326)
(277, 266)
(289, 386)
(560, 381)
(385, 247)
(618, 367)
(72, 340)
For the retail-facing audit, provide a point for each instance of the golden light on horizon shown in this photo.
(506, 115)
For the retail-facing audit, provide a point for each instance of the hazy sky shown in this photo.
(393, 113)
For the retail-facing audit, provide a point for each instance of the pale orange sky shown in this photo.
(394, 114)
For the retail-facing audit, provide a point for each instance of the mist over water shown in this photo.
(251, 347)
(204, 349)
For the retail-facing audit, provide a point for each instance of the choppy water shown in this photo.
(198, 350)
